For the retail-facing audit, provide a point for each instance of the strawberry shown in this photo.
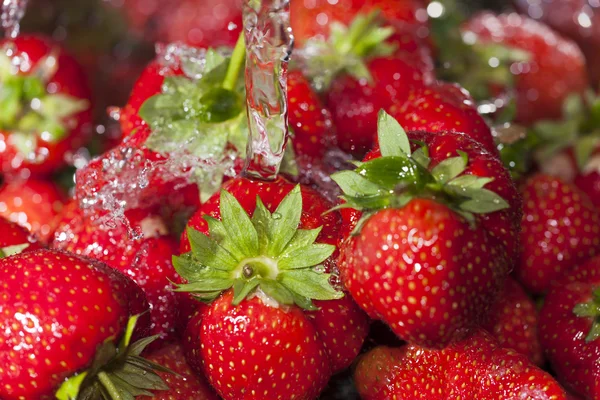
(185, 385)
(195, 22)
(33, 204)
(145, 258)
(315, 18)
(576, 19)
(61, 315)
(421, 258)
(361, 72)
(569, 328)
(553, 69)
(261, 327)
(513, 322)
(443, 107)
(15, 239)
(559, 230)
(475, 368)
(46, 105)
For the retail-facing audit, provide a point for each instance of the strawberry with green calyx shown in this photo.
(422, 258)
(117, 371)
(45, 105)
(266, 278)
(570, 328)
(361, 70)
(58, 309)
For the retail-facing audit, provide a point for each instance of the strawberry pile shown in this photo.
(433, 231)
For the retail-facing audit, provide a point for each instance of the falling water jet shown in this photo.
(269, 43)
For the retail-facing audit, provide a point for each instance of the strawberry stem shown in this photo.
(109, 386)
(235, 65)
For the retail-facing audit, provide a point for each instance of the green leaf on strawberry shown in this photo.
(117, 372)
(590, 309)
(263, 253)
(400, 176)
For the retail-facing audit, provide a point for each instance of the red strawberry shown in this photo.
(46, 105)
(576, 19)
(195, 22)
(265, 338)
(415, 261)
(363, 68)
(513, 322)
(185, 385)
(443, 107)
(146, 260)
(33, 204)
(315, 18)
(555, 70)
(310, 122)
(559, 230)
(475, 368)
(61, 313)
(569, 331)
(15, 239)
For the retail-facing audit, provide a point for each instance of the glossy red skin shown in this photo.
(563, 15)
(254, 351)
(57, 308)
(503, 225)
(556, 70)
(271, 193)
(513, 321)
(184, 384)
(443, 107)
(562, 333)
(355, 104)
(311, 122)
(559, 231)
(33, 204)
(69, 79)
(147, 261)
(195, 22)
(589, 183)
(424, 271)
(475, 368)
(314, 18)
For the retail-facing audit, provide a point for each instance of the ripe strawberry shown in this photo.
(15, 239)
(145, 259)
(261, 329)
(576, 19)
(46, 109)
(421, 259)
(569, 328)
(443, 107)
(361, 72)
(195, 22)
(555, 69)
(475, 368)
(513, 322)
(559, 230)
(315, 18)
(61, 314)
(33, 204)
(185, 385)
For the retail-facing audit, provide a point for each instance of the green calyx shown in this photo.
(347, 49)
(265, 253)
(117, 372)
(28, 111)
(461, 58)
(591, 310)
(12, 250)
(400, 175)
(579, 128)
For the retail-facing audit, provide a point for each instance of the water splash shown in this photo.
(269, 43)
(10, 16)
